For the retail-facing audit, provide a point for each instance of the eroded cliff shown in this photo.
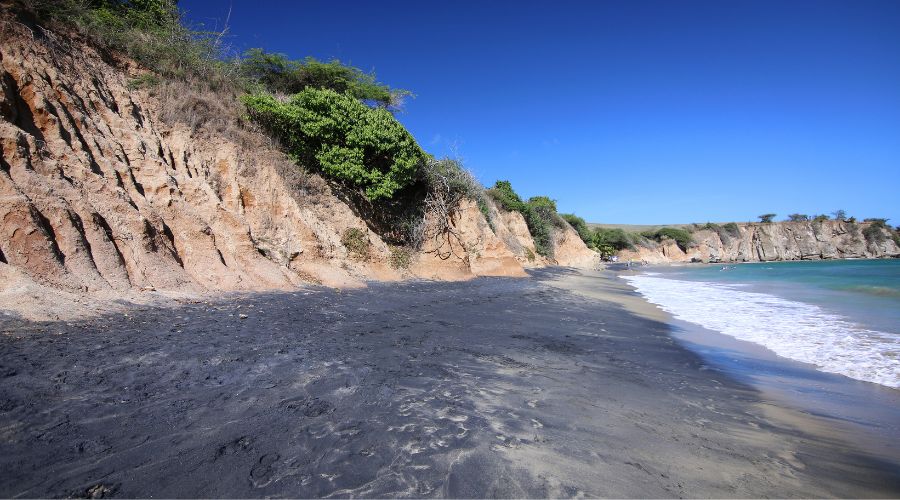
(108, 188)
(758, 242)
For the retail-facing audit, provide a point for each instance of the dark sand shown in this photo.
(494, 387)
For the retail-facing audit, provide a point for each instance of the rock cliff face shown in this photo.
(570, 251)
(775, 241)
(470, 248)
(106, 187)
(568, 248)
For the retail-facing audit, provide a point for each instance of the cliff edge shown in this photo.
(764, 242)
(109, 188)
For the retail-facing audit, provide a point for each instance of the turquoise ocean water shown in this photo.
(841, 316)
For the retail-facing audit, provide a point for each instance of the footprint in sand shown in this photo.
(261, 473)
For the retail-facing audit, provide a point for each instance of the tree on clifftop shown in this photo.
(798, 217)
(766, 218)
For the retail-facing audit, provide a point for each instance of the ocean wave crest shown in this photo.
(795, 330)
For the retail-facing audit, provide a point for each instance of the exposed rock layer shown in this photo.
(106, 188)
(759, 242)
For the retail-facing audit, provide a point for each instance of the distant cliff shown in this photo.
(763, 242)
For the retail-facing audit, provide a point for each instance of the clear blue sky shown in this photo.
(629, 111)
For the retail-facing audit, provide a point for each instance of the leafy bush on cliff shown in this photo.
(875, 231)
(356, 242)
(616, 238)
(543, 221)
(278, 74)
(798, 217)
(546, 210)
(732, 229)
(606, 251)
(506, 197)
(580, 227)
(539, 213)
(766, 218)
(400, 258)
(362, 147)
(682, 238)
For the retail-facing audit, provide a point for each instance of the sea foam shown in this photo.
(795, 330)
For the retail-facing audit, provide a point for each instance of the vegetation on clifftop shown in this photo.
(150, 32)
(336, 119)
(539, 212)
(580, 226)
(682, 237)
(278, 74)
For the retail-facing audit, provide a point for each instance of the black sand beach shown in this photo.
(489, 388)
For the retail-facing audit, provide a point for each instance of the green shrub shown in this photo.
(766, 218)
(278, 74)
(401, 257)
(616, 238)
(819, 218)
(546, 209)
(359, 146)
(732, 229)
(541, 231)
(853, 230)
(682, 238)
(529, 255)
(875, 231)
(606, 251)
(145, 81)
(874, 234)
(580, 227)
(356, 242)
(798, 217)
(506, 197)
(485, 211)
(543, 221)
(539, 213)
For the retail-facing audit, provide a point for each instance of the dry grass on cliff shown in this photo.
(216, 114)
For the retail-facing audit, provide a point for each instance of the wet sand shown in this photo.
(562, 384)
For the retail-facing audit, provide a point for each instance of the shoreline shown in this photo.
(491, 387)
(868, 411)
